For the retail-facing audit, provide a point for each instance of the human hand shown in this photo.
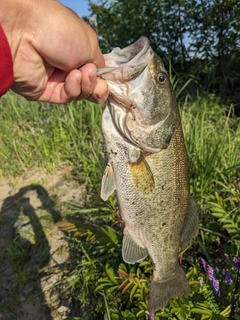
(55, 53)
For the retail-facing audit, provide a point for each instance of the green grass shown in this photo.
(212, 136)
(52, 137)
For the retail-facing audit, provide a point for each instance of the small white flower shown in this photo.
(93, 21)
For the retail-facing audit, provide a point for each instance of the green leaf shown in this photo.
(113, 289)
(104, 286)
(201, 311)
(218, 215)
(110, 273)
(133, 291)
(226, 311)
(147, 270)
(144, 263)
(140, 313)
(229, 225)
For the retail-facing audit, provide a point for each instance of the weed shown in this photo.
(51, 136)
(95, 277)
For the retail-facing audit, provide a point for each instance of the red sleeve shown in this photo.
(6, 64)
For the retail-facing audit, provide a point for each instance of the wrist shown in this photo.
(13, 17)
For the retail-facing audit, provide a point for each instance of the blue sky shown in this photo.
(79, 6)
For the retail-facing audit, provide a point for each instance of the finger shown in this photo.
(62, 87)
(88, 80)
(100, 92)
(92, 88)
(77, 85)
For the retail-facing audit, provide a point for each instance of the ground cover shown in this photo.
(51, 160)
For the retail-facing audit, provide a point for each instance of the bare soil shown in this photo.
(32, 249)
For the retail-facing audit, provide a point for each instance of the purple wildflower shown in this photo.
(236, 262)
(210, 272)
(216, 270)
(227, 260)
(223, 271)
(228, 279)
(204, 264)
(211, 276)
(151, 316)
(215, 283)
(201, 282)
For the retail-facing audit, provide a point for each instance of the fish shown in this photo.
(148, 167)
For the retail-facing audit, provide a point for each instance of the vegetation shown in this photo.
(51, 136)
(211, 263)
(204, 70)
(95, 278)
(201, 38)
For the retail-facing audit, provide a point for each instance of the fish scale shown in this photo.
(148, 167)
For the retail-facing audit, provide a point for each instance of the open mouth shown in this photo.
(127, 63)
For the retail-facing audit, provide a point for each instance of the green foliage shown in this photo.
(95, 276)
(212, 140)
(121, 290)
(200, 37)
(51, 136)
(226, 210)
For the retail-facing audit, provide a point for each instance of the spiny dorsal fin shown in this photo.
(142, 176)
(131, 251)
(108, 182)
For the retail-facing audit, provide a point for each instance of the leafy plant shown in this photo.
(95, 277)
(212, 139)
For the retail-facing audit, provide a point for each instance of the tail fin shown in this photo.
(162, 291)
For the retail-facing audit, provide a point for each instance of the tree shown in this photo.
(201, 37)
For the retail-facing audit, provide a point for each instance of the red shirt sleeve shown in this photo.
(6, 64)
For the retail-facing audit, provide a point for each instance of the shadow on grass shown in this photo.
(24, 252)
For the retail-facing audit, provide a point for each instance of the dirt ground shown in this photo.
(32, 249)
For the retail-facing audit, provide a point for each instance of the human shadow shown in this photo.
(24, 252)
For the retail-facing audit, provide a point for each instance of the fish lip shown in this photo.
(127, 70)
(133, 62)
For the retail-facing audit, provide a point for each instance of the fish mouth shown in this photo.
(121, 67)
(127, 63)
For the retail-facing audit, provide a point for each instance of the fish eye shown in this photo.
(162, 78)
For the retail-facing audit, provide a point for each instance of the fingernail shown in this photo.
(100, 96)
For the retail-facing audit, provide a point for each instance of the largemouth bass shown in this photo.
(148, 167)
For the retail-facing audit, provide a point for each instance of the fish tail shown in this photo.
(162, 291)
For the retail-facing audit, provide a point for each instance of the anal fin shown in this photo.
(190, 229)
(131, 251)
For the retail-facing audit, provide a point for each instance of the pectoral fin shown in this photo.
(108, 182)
(190, 229)
(131, 251)
(142, 176)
